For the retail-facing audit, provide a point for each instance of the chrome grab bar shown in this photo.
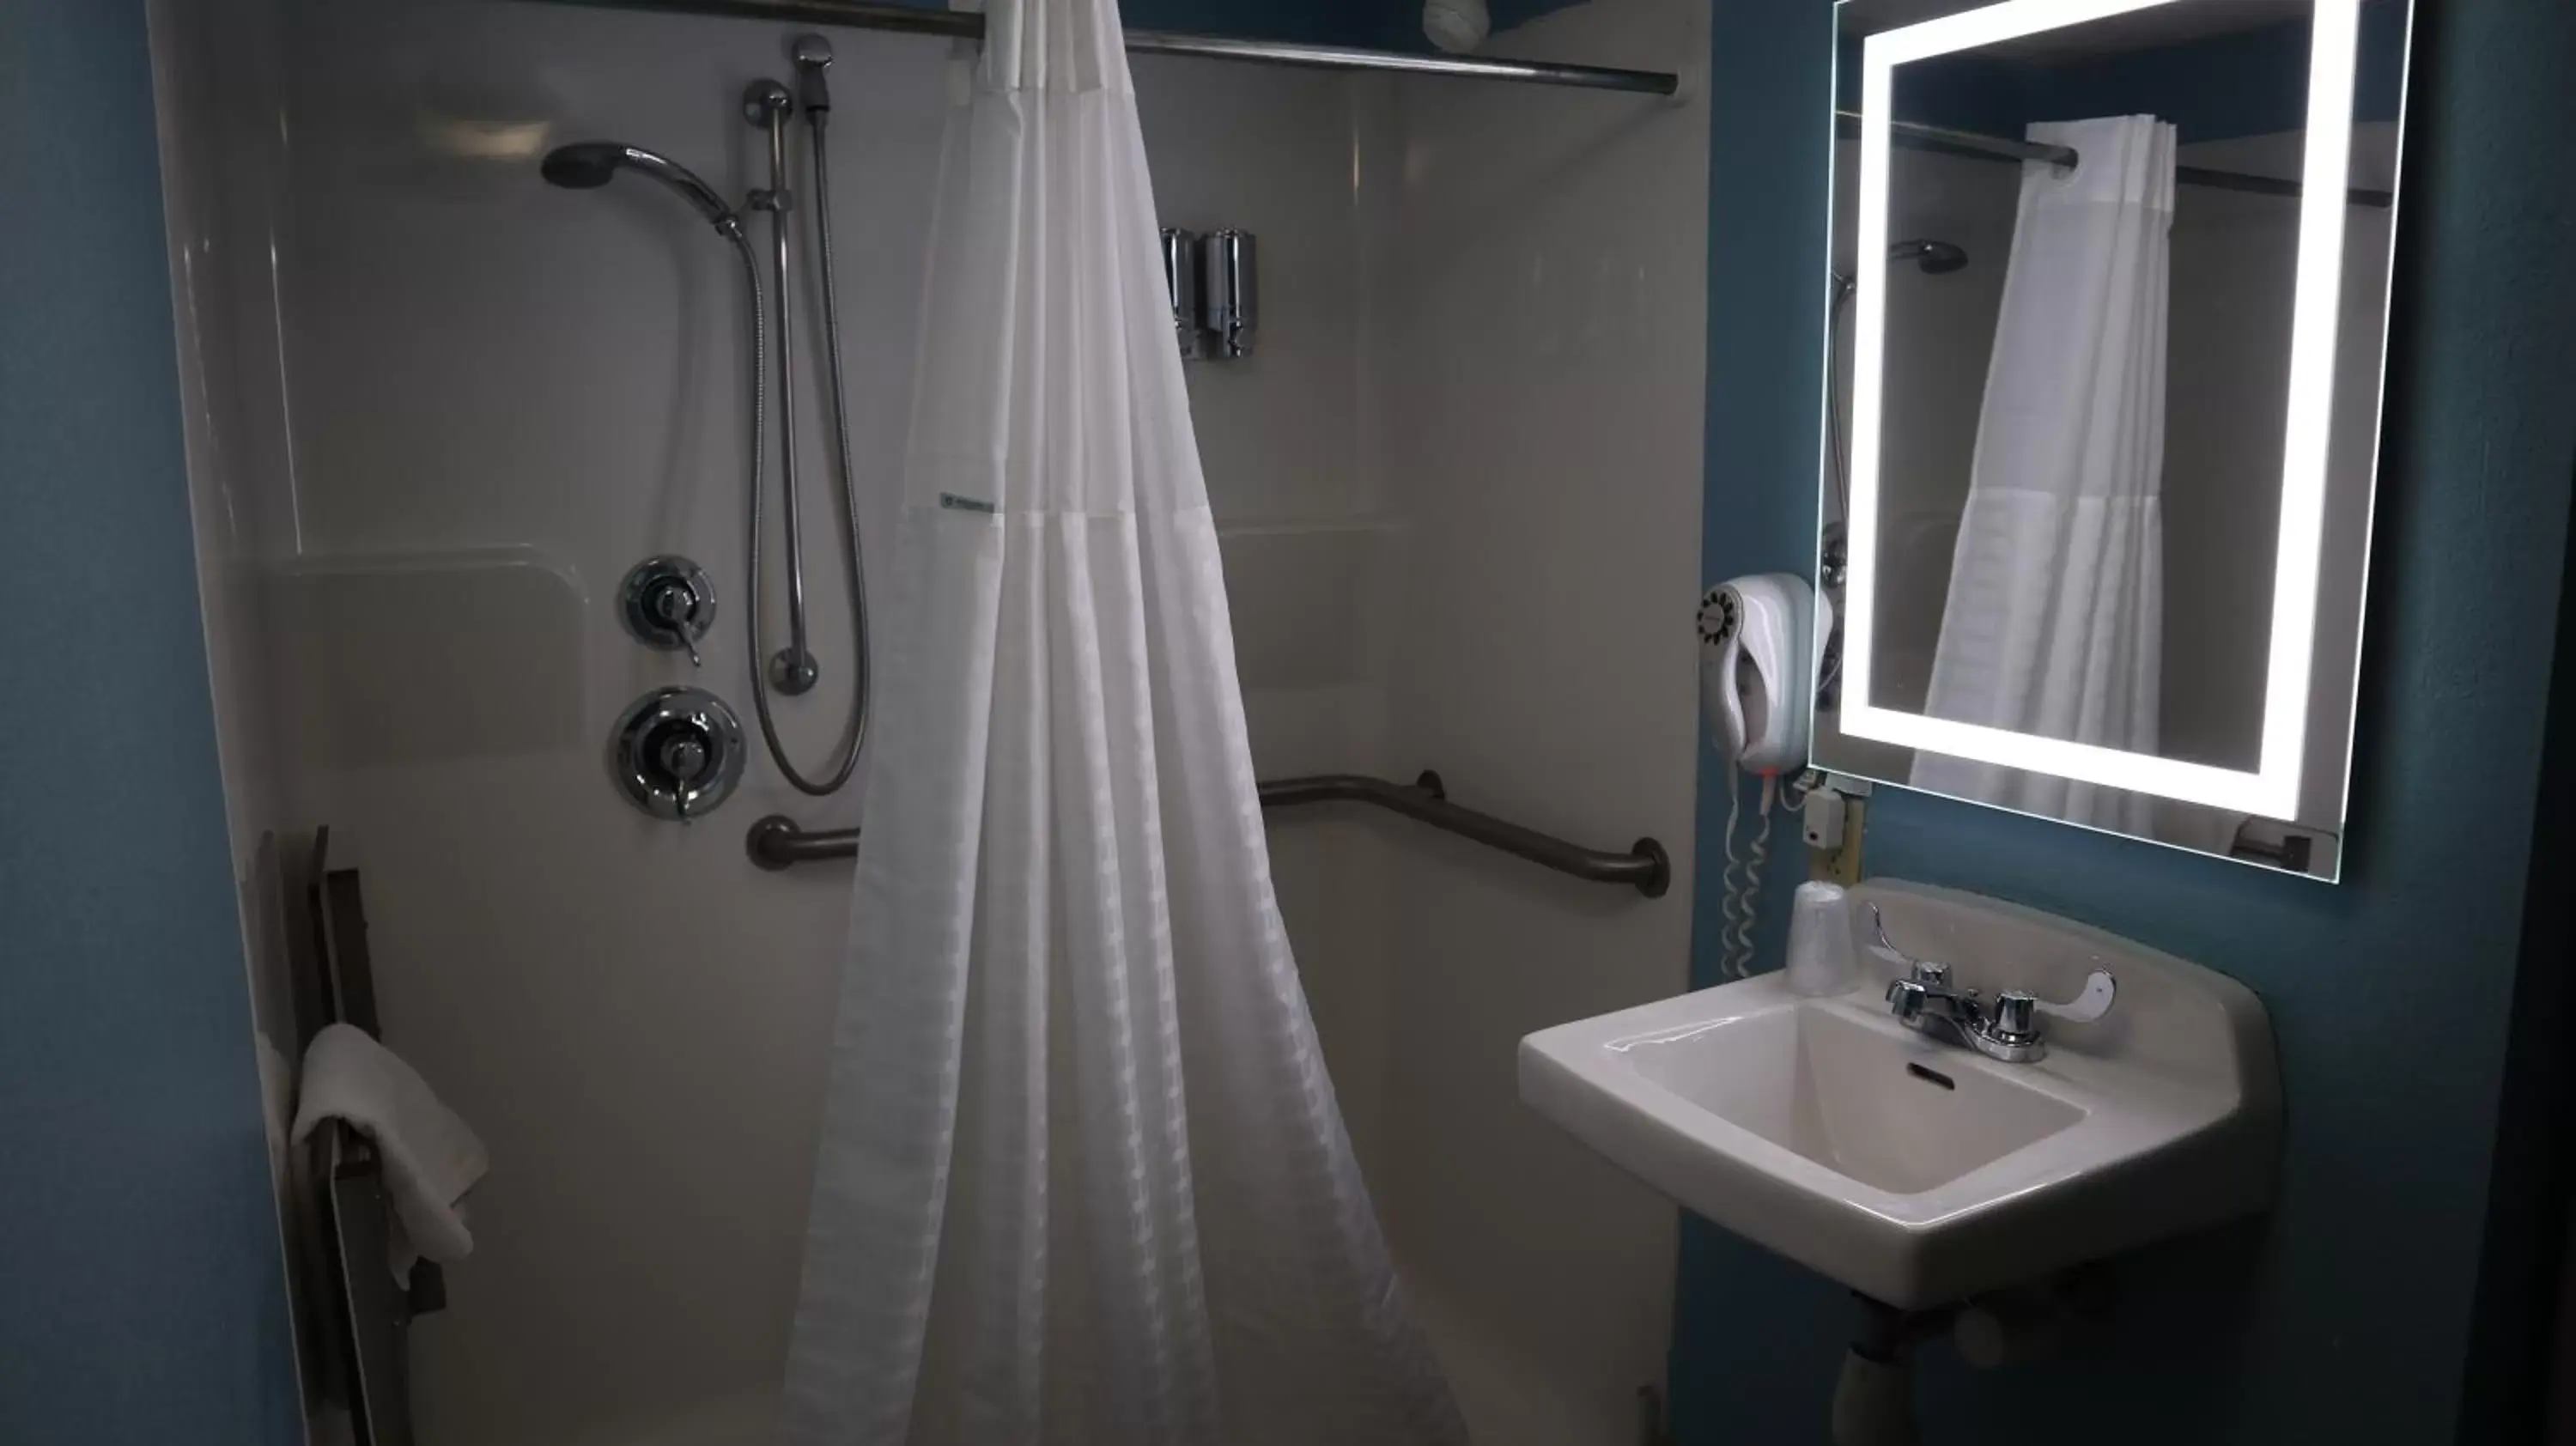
(778, 842)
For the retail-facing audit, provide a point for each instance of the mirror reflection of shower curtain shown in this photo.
(2054, 620)
(1082, 1178)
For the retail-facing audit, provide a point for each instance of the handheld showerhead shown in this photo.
(587, 165)
(582, 166)
(813, 57)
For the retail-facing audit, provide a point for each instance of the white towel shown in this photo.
(429, 1157)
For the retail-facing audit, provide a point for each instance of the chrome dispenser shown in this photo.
(1181, 251)
(1228, 294)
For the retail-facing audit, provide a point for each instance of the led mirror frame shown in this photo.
(2272, 791)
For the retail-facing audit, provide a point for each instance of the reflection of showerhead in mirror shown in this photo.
(1936, 258)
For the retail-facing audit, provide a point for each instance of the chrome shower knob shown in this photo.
(677, 753)
(683, 755)
(668, 603)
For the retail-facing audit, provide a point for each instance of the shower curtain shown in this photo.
(1082, 1179)
(2055, 619)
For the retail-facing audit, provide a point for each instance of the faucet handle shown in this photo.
(1878, 926)
(1919, 971)
(2017, 1013)
(2014, 1020)
(1905, 999)
(2089, 1005)
(1886, 949)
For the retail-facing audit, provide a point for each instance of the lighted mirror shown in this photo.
(2109, 308)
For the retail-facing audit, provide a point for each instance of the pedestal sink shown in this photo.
(1919, 1172)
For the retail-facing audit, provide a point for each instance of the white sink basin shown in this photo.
(1920, 1172)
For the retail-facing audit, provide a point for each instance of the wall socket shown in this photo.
(1834, 816)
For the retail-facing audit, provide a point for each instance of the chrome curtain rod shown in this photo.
(967, 25)
(2005, 148)
(778, 842)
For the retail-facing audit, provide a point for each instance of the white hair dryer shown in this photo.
(1757, 669)
(1757, 683)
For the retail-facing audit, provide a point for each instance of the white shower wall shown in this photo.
(1458, 487)
(1539, 337)
(215, 77)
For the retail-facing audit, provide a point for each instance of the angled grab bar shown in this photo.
(1644, 867)
(778, 842)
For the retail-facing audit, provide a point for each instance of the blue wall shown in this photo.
(141, 1299)
(2347, 1314)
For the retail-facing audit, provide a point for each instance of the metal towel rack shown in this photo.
(778, 842)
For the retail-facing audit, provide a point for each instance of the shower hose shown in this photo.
(845, 757)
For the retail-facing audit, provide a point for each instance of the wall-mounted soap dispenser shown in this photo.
(1229, 295)
(1209, 278)
(1181, 251)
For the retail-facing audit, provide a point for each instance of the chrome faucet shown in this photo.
(1927, 1001)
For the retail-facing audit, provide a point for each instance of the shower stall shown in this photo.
(440, 411)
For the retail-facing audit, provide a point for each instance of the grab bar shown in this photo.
(778, 842)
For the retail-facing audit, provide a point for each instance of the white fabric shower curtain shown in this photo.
(1082, 1179)
(2054, 623)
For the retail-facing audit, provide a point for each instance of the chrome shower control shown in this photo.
(667, 603)
(677, 753)
(684, 757)
(1181, 251)
(1229, 292)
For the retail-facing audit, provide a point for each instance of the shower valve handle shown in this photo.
(684, 757)
(672, 605)
(669, 604)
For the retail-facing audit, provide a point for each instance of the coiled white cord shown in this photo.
(1759, 849)
(1742, 878)
(1730, 900)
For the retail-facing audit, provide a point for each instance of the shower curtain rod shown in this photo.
(967, 25)
(778, 842)
(2005, 148)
